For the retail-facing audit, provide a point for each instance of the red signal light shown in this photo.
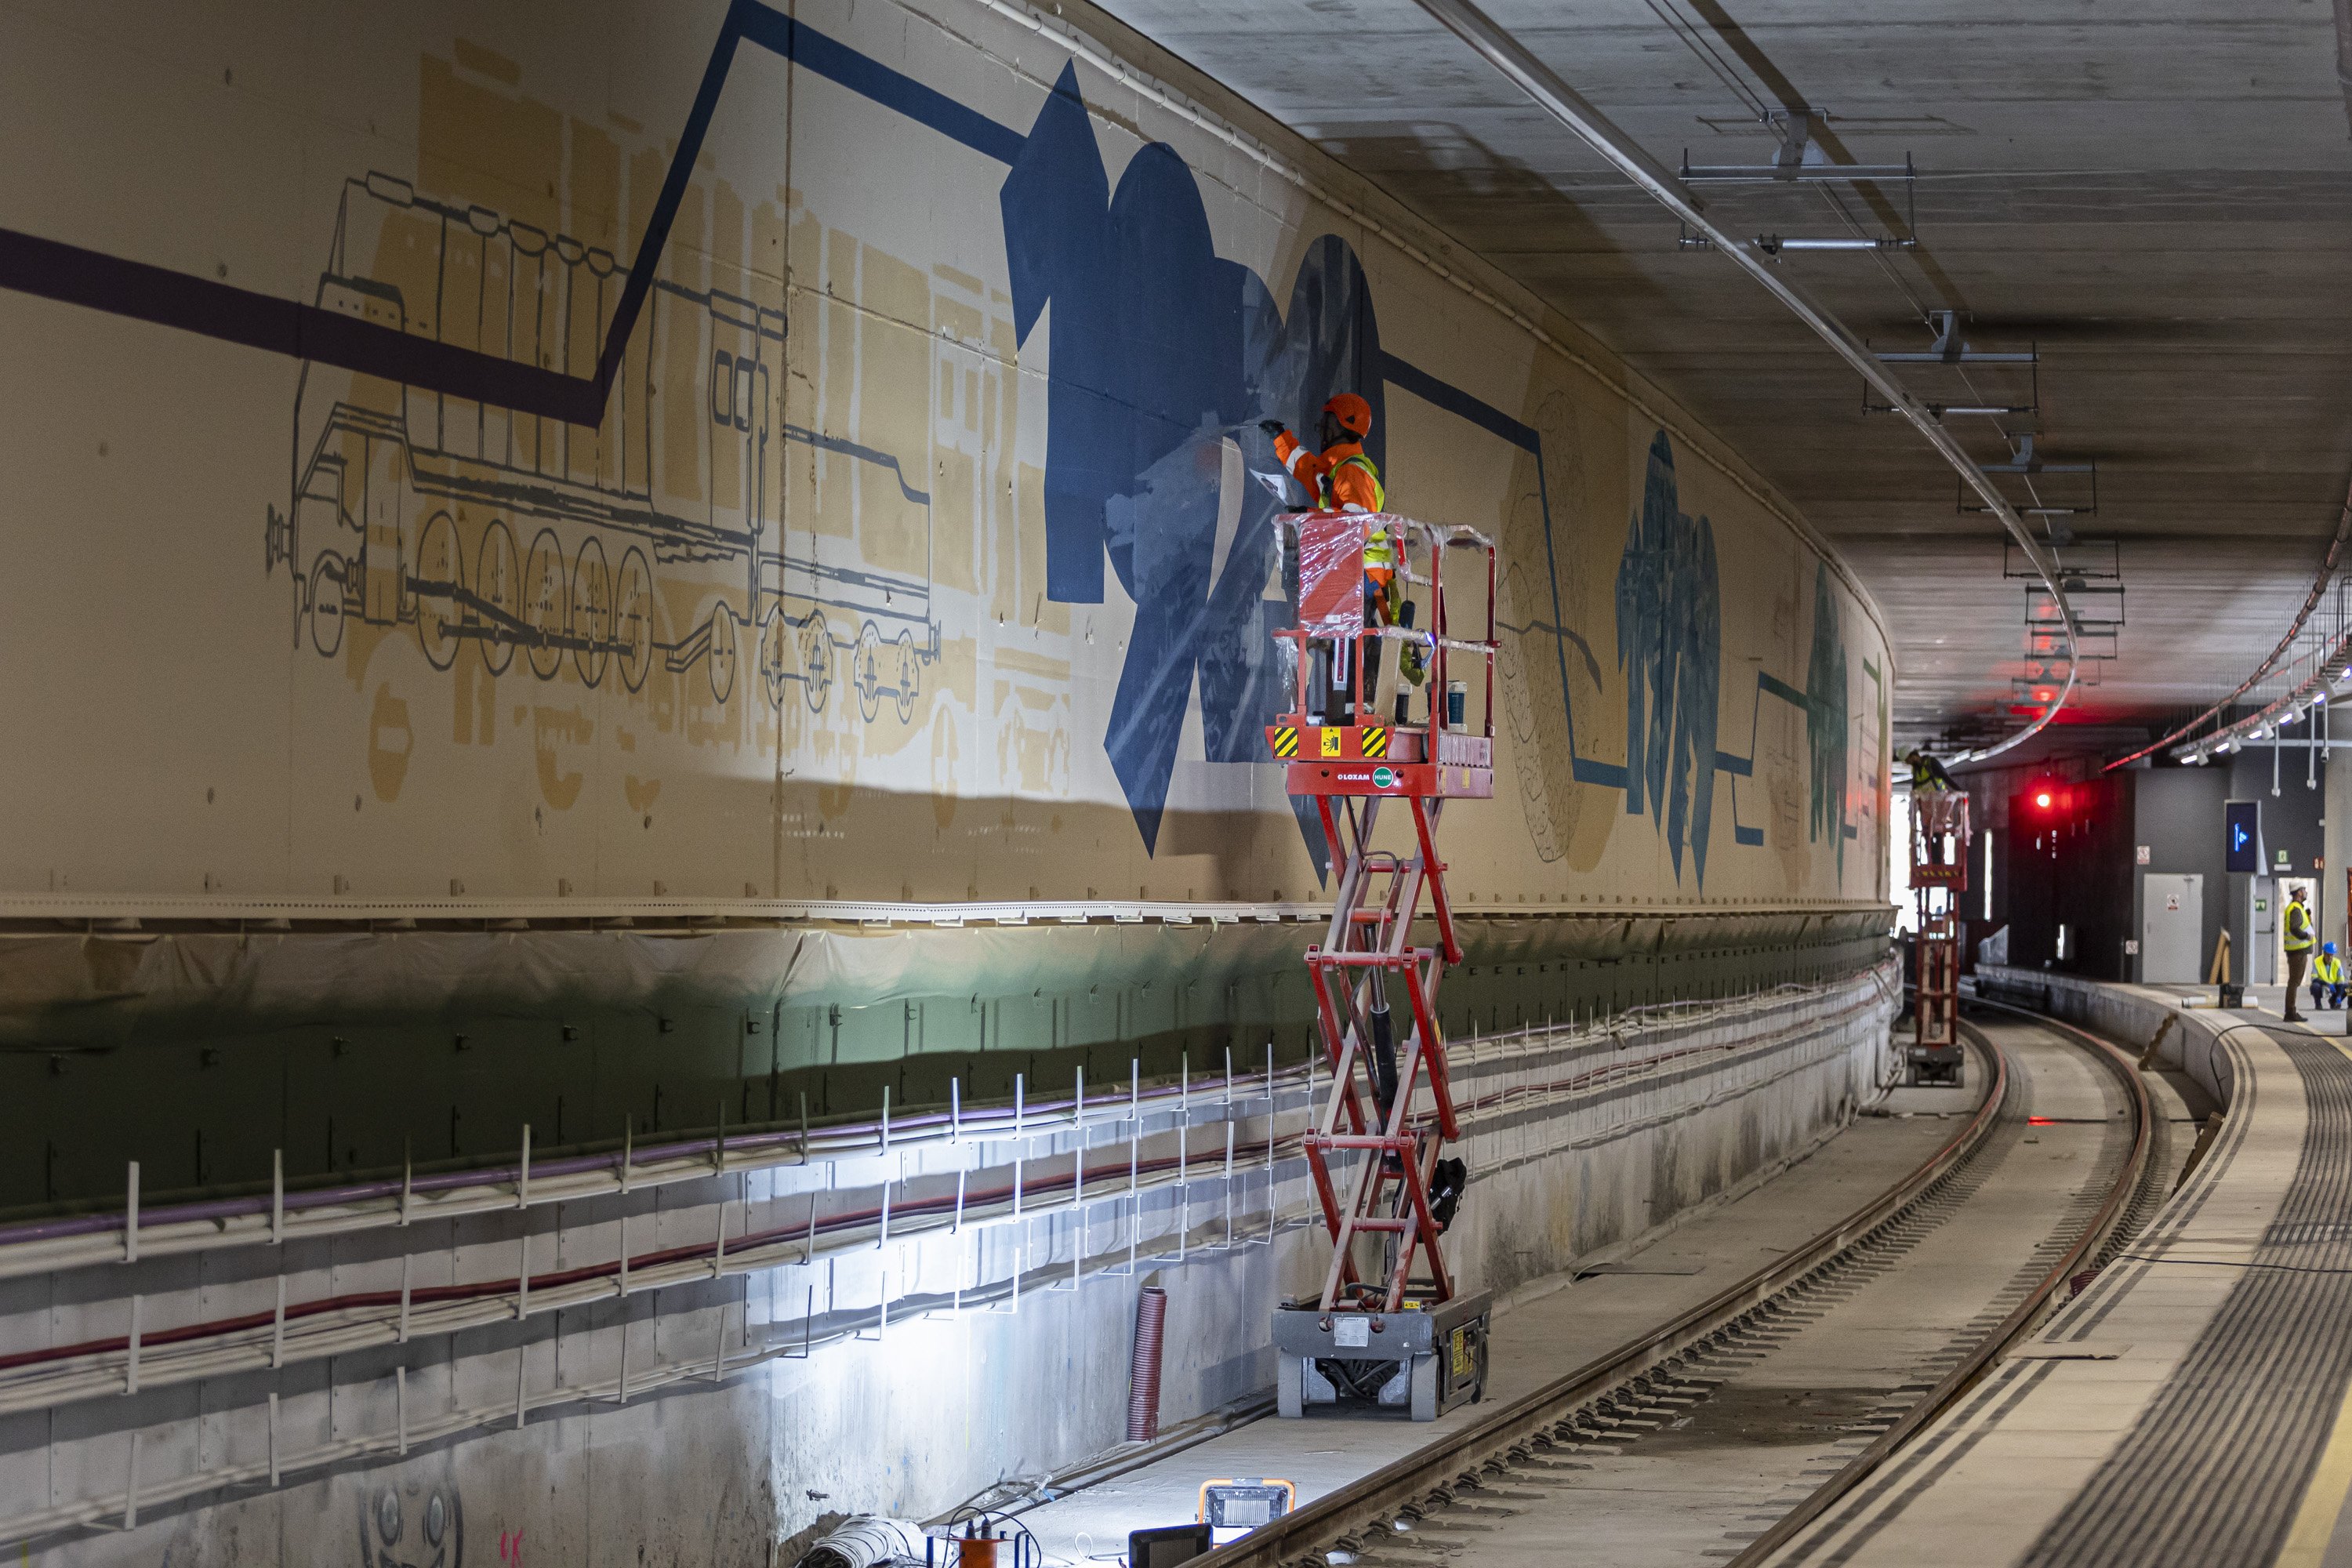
(2042, 800)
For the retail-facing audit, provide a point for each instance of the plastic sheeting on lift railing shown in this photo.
(1331, 572)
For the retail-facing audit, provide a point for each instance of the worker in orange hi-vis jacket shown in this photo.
(1340, 477)
(1343, 478)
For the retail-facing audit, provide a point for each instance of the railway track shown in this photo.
(1510, 1483)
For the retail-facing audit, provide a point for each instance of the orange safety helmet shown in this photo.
(1354, 415)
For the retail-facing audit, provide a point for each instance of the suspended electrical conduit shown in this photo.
(1481, 1057)
(360, 1320)
(1563, 103)
(2329, 668)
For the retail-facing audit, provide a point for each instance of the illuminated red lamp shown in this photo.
(2042, 798)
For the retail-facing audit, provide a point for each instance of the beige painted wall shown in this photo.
(269, 629)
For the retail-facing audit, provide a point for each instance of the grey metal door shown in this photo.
(2172, 921)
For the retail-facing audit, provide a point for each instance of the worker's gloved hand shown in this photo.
(1271, 427)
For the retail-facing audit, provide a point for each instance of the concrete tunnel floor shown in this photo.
(1546, 1328)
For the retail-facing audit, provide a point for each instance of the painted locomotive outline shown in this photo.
(410, 516)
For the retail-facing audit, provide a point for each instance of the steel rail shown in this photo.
(2023, 1319)
(1495, 45)
(1387, 1491)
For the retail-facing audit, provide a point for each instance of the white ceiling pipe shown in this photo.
(1564, 103)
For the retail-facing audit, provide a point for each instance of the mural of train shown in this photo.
(657, 537)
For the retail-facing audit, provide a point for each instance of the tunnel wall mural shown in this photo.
(812, 458)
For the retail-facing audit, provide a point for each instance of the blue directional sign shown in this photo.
(2242, 829)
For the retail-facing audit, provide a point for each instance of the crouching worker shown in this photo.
(2327, 984)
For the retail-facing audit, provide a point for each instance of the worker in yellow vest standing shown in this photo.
(2295, 936)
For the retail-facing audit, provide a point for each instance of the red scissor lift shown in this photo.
(1939, 874)
(1389, 1327)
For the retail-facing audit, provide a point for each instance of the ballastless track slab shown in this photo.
(2191, 1407)
(1694, 1440)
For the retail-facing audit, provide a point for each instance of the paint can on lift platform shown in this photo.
(1457, 703)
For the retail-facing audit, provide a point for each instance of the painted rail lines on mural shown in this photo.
(408, 501)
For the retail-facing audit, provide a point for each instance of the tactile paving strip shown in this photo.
(2214, 1470)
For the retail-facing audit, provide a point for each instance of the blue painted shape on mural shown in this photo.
(1460, 403)
(1745, 767)
(1670, 644)
(1163, 352)
(865, 75)
(1485, 417)
(1826, 717)
(1827, 723)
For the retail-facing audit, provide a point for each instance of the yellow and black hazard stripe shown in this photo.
(1286, 741)
(1375, 741)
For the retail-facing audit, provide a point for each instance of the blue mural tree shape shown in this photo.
(1670, 645)
(1161, 345)
(1161, 352)
(1826, 718)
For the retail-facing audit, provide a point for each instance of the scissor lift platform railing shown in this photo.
(1389, 1324)
(1939, 874)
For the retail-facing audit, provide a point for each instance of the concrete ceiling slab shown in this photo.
(2157, 193)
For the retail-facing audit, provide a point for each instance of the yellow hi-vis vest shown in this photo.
(1371, 472)
(2298, 928)
(2327, 969)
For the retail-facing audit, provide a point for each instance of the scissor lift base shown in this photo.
(1436, 1356)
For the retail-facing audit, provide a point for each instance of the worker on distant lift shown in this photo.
(1343, 477)
(1929, 777)
(1926, 773)
(2294, 935)
(2327, 985)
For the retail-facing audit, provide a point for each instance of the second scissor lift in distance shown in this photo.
(1939, 874)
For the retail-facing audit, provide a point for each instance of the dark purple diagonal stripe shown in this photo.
(75, 276)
